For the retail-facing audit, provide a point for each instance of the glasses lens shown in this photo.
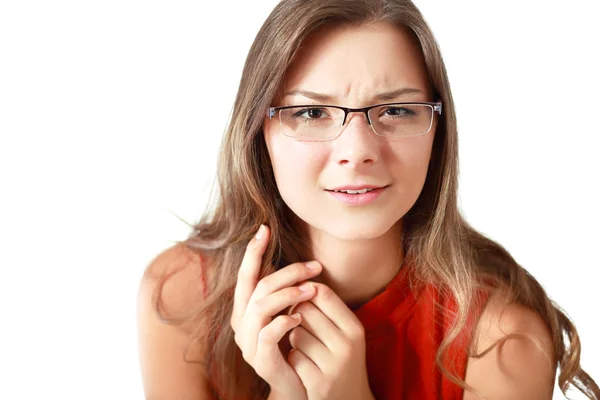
(311, 123)
(400, 120)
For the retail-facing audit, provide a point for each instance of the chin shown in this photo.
(342, 225)
(352, 230)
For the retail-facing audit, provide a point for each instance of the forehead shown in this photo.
(354, 63)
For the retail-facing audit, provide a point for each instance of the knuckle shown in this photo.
(265, 335)
(257, 308)
(325, 291)
(285, 320)
(298, 270)
(344, 354)
(359, 332)
(263, 285)
(345, 351)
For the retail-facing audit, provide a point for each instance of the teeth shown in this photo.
(361, 191)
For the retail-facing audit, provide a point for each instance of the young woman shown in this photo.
(336, 264)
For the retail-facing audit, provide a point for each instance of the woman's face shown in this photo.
(352, 66)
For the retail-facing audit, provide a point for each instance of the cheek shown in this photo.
(412, 158)
(296, 165)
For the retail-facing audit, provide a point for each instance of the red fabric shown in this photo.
(403, 331)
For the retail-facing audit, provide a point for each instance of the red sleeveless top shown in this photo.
(403, 331)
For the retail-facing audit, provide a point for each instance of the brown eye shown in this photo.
(314, 113)
(310, 113)
(398, 111)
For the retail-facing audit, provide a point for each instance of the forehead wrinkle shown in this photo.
(357, 93)
(344, 71)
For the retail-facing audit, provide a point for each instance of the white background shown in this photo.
(111, 114)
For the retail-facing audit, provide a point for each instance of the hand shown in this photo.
(257, 333)
(329, 352)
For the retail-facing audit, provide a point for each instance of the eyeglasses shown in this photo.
(320, 123)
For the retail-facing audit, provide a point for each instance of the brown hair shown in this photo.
(441, 245)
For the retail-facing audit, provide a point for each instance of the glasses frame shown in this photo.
(436, 106)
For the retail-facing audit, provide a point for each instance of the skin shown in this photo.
(329, 358)
(359, 246)
(358, 249)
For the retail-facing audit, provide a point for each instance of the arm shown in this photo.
(518, 369)
(165, 374)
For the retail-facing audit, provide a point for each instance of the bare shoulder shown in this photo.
(173, 281)
(519, 367)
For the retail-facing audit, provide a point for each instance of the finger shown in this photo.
(315, 322)
(285, 277)
(248, 273)
(306, 369)
(274, 332)
(268, 306)
(272, 361)
(260, 313)
(336, 310)
(312, 347)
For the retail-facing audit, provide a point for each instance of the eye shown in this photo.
(398, 111)
(310, 113)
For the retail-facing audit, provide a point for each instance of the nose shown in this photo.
(356, 144)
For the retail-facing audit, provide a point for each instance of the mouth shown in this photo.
(357, 191)
(356, 197)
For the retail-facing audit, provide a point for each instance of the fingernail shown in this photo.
(260, 233)
(312, 264)
(307, 287)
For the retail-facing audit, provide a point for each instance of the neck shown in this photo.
(358, 270)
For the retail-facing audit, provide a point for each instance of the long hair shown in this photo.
(441, 245)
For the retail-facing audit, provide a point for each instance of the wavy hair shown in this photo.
(443, 248)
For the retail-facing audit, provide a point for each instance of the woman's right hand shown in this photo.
(257, 333)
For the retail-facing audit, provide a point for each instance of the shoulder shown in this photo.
(175, 259)
(174, 279)
(513, 353)
(172, 283)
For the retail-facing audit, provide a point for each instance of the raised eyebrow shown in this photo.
(324, 97)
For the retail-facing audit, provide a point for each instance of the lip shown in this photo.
(360, 199)
(358, 187)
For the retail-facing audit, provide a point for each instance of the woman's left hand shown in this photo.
(329, 352)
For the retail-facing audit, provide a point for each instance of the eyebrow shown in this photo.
(386, 96)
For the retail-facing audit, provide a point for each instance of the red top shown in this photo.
(402, 340)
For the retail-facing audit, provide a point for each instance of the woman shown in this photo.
(342, 148)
